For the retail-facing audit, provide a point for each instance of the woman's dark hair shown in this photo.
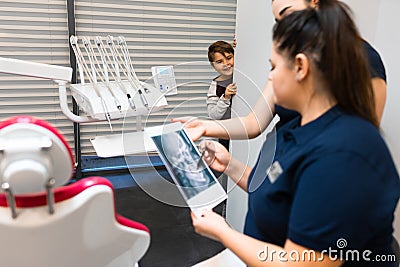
(330, 39)
(221, 47)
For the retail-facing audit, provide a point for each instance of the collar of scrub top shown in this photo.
(303, 134)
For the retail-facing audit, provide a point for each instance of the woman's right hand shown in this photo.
(215, 155)
(194, 127)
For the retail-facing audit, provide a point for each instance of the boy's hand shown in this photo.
(230, 91)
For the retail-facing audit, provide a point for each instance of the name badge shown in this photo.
(274, 171)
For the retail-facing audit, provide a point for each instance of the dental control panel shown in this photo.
(164, 79)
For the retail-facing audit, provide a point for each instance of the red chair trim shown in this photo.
(67, 192)
(42, 123)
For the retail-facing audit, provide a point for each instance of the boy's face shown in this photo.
(281, 8)
(223, 64)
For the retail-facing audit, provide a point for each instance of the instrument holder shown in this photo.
(114, 91)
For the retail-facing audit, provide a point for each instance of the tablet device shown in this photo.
(194, 179)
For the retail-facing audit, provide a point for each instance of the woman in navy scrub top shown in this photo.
(255, 122)
(329, 197)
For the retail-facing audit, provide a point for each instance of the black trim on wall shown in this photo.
(75, 108)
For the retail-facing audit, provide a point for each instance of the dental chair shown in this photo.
(45, 223)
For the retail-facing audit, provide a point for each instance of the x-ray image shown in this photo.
(194, 179)
(182, 158)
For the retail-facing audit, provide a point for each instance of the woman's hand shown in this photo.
(215, 155)
(194, 127)
(230, 90)
(210, 225)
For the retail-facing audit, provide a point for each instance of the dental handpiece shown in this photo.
(116, 77)
(143, 98)
(131, 102)
(93, 61)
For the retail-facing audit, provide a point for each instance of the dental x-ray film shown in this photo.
(192, 176)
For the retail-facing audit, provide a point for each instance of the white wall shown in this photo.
(378, 22)
(254, 23)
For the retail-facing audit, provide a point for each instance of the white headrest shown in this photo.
(31, 152)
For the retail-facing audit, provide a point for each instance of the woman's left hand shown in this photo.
(210, 224)
(215, 155)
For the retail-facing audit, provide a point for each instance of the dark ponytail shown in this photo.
(330, 38)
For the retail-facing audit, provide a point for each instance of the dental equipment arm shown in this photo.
(34, 69)
(60, 75)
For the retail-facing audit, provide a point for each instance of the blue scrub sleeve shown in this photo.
(377, 68)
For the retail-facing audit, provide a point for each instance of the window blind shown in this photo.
(34, 31)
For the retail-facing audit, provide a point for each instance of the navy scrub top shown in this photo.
(331, 179)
